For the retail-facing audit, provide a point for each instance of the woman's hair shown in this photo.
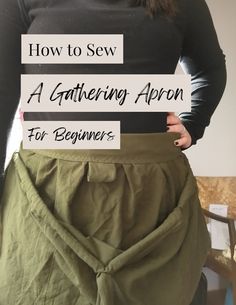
(154, 7)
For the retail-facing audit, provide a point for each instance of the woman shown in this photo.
(102, 226)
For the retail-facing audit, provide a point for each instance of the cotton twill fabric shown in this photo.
(102, 227)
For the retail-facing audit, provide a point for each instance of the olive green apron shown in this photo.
(102, 227)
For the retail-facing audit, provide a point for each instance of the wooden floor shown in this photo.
(216, 297)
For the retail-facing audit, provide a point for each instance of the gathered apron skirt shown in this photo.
(102, 227)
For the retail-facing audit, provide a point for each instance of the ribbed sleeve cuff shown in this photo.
(195, 131)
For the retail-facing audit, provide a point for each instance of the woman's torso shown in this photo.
(151, 46)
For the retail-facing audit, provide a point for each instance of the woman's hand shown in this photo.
(174, 124)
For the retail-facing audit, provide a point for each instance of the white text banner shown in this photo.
(72, 49)
(105, 93)
(71, 135)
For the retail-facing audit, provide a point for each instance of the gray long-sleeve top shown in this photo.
(151, 46)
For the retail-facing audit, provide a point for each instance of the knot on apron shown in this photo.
(101, 172)
(106, 289)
